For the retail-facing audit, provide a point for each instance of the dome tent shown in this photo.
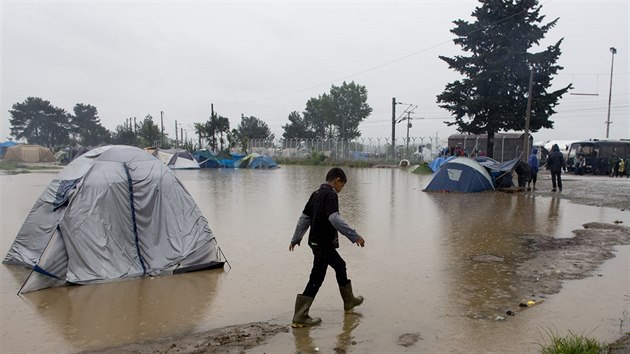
(461, 174)
(256, 161)
(115, 212)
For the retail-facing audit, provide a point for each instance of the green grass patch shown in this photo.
(570, 344)
(11, 167)
(8, 166)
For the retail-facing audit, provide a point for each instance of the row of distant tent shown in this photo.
(179, 159)
(173, 158)
(206, 159)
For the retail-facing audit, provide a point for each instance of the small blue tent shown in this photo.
(255, 160)
(461, 174)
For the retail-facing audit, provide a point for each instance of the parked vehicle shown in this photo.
(597, 154)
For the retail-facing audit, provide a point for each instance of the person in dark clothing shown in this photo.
(321, 214)
(524, 173)
(555, 164)
(532, 160)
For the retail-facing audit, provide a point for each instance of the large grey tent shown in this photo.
(114, 212)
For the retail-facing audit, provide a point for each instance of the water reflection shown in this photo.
(553, 218)
(345, 338)
(304, 342)
(482, 240)
(114, 313)
(416, 272)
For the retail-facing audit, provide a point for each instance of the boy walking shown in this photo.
(321, 214)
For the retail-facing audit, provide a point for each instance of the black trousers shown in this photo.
(556, 179)
(322, 258)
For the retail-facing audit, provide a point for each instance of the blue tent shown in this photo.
(4, 146)
(461, 174)
(255, 160)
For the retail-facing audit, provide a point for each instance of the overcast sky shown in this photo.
(268, 58)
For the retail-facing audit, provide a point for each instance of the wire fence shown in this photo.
(414, 149)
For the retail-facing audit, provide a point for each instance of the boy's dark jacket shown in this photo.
(321, 214)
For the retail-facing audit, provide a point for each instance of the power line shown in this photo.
(375, 67)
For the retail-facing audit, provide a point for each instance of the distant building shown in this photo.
(507, 146)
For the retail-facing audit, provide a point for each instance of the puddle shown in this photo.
(420, 271)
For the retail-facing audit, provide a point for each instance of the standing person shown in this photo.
(532, 160)
(321, 214)
(613, 162)
(555, 164)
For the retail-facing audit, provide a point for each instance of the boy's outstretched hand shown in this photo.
(360, 242)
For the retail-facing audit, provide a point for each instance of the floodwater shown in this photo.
(416, 271)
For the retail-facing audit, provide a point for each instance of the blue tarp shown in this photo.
(501, 172)
(206, 159)
(4, 146)
(435, 164)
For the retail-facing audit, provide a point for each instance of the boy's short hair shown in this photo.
(335, 173)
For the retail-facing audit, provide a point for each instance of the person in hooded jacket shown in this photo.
(555, 164)
(532, 160)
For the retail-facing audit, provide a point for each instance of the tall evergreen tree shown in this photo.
(493, 94)
(90, 132)
(251, 128)
(124, 135)
(37, 121)
(149, 133)
(297, 128)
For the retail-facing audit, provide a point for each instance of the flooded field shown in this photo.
(424, 271)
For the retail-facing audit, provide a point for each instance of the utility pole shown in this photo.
(613, 50)
(175, 132)
(162, 123)
(528, 115)
(408, 126)
(393, 126)
(135, 127)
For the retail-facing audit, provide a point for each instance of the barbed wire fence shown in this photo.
(414, 149)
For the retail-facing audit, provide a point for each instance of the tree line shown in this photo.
(335, 114)
(491, 96)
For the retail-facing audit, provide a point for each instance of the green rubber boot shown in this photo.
(301, 317)
(349, 300)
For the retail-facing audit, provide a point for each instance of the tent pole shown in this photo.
(224, 257)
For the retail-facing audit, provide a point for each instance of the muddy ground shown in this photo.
(542, 267)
